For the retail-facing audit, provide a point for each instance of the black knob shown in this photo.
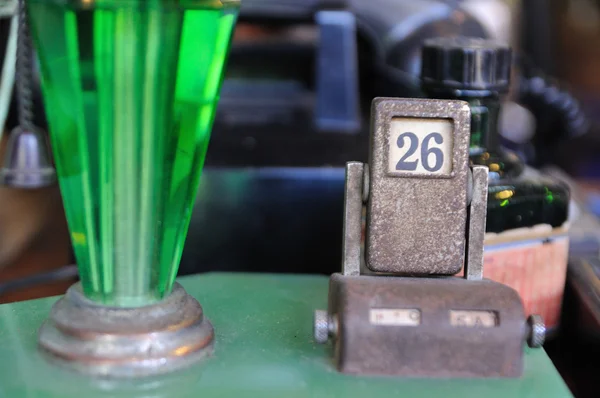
(465, 66)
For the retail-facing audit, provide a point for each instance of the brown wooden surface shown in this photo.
(46, 249)
(34, 238)
(578, 44)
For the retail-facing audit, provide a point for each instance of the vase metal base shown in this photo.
(126, 342)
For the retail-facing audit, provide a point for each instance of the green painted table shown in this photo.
(264, 348)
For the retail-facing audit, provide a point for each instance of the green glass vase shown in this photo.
(130, 89)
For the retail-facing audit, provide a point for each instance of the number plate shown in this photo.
(418, 174)
(420, 146)
(485, 319)
(395, 317)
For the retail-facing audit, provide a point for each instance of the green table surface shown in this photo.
(264, 348)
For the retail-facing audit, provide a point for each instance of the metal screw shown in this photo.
(324, 327)
(321, 326)
(537, 331)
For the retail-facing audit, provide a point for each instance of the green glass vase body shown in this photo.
(130, 89)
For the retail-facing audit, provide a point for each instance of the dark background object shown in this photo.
(538, 36)
(265, 129)
(4, 30)
(272, 191)
(266, 220)
(286, 10)
(575, 353)
(573, 56)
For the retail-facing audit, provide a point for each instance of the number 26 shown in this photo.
(406, 165)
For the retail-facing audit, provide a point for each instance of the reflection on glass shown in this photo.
(514, 201)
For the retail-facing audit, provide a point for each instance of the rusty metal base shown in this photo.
(434, 347)
(126, 342)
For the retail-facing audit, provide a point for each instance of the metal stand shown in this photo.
(126, 342)
(428, 223)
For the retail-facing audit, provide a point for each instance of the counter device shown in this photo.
(400, 311)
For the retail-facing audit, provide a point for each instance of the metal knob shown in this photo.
(321, 326)
(325, 326)
(537, 331)
(468, 64)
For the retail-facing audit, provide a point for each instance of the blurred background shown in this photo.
(295, 106)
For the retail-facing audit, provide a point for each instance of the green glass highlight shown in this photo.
(515, 199)
(130, 89)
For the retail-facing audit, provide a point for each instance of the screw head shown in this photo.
(321, 326)
(537, 331)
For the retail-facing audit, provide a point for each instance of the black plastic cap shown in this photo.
(465, 64)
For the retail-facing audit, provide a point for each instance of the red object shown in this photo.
(537, 271)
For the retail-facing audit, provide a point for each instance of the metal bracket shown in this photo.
(353, 202)
(473, 268)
